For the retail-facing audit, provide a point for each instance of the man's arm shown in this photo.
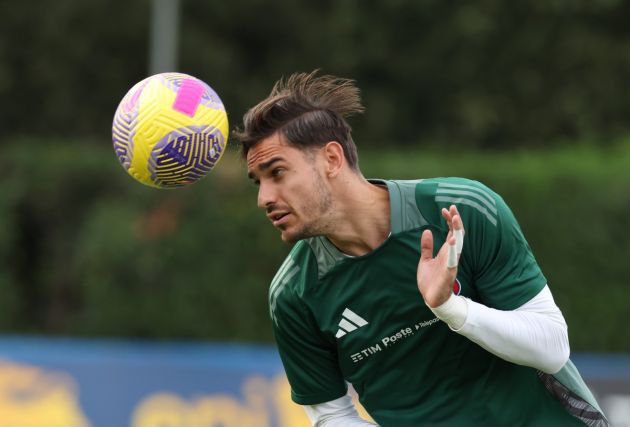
(535, 334)
(336, 413)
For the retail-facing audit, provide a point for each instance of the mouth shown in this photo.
(279, 218)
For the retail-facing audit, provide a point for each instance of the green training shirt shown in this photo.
(362, 320)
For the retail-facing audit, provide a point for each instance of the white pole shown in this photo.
(163, 37)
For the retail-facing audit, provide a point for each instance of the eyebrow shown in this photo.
(265, 165)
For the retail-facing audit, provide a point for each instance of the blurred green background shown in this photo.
(529, 97)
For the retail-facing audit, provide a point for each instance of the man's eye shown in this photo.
(277, 172)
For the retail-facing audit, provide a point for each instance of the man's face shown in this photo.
(291, 188)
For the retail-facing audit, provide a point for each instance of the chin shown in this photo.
(293, 235)
(289, 238)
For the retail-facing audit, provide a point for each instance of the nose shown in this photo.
(266, 196)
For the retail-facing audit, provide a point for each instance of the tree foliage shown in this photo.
(85, 250)
(484, 74)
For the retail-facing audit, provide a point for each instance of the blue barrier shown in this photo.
(603, 366)
(106, 383)
(58, 382)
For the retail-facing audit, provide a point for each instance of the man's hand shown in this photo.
(436, 275)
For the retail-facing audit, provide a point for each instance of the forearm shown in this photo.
(534, 334)
(336, 413)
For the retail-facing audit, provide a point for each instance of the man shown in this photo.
(381, 289)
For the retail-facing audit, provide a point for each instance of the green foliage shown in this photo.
(482, 74)
(101, 254)
(85, 250)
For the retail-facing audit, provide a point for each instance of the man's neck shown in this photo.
(363, 217)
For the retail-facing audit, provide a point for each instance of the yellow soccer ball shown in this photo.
(170, 130)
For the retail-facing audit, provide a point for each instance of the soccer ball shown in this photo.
(170, 130)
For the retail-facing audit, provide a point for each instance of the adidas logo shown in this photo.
(349, 322)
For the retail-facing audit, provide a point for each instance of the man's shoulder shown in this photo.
(303, 270)
(417, 203)
(296, 261)
(472, 197)
(430, 186)
(294, 277)
(309, 260)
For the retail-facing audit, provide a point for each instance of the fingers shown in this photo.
(449, 214)
(458, 232)
(453, 258)
(426, 245)
(455, 225)
(446, 214)
(455, 238)
(453, 210)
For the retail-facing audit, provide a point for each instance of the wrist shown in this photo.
(438, 299)
(453, 311)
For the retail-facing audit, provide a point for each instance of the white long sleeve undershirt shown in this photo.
(336, 413)
(534, 335)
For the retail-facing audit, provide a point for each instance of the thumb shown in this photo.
(426, 246)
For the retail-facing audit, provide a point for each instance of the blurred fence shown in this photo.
(103, 383)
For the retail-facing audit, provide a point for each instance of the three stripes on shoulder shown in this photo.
(475, 197)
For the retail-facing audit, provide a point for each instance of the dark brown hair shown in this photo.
(308, 111)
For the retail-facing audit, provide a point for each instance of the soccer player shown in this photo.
(382, 290)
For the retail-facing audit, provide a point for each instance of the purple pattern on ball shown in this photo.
(211, 99)
(124, 126)
(185, 155)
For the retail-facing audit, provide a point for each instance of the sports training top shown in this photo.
(362, 320)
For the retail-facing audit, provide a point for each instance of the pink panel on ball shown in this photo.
(188, 97)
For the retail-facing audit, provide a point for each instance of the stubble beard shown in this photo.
(319, 207)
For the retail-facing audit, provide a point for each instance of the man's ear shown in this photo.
(334, 157)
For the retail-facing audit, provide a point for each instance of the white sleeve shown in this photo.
(534, 334)
(336, 413)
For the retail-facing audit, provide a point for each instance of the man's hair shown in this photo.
(308, 111)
